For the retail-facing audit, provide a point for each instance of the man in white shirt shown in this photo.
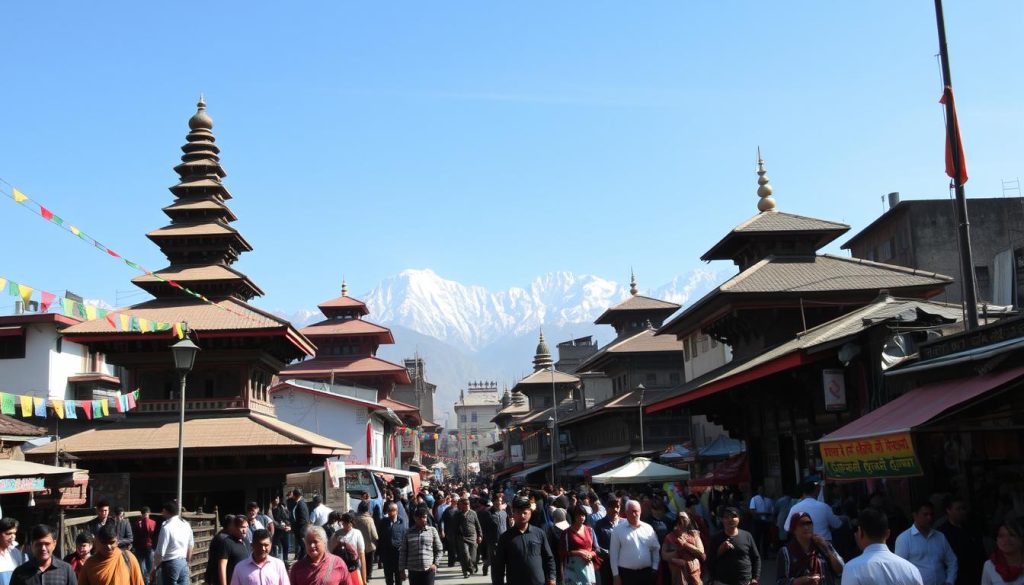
(876, 565)
(928, 549)
(319, 513)
(635, 550)
(10, 555)
(820, 512)
(173, 552)
(761, 508)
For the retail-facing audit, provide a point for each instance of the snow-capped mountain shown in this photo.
(473, 317)
(469, 333)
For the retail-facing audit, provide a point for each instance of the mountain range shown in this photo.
(469, 333)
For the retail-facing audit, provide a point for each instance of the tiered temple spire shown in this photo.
(542, 358)
(199, 242)
(764, 188)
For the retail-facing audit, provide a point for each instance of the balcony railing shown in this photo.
(205, 405)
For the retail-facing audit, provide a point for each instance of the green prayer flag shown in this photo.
(12, 289)
(7, 403)
(67, 307)
(57, 220)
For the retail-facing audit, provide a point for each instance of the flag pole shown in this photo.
(956, 168)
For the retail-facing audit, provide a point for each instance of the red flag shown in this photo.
(87, 407)
(113, 253)
(46, 213)
(961, 159)
(47, 300)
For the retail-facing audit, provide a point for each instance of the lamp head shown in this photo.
(184, 355)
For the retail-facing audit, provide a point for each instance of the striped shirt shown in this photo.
(420, 549)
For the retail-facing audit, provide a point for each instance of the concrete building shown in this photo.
(922, 234)
(419, 392)
(478, 404)
(574, 352)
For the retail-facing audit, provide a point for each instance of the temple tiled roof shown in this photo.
(646, 341)
(347, 366)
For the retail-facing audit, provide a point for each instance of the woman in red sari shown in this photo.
(683, 551)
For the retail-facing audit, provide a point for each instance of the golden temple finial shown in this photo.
(764, 188)
(632, 282)
(344, 287)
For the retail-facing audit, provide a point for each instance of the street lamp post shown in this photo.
(554, 424)
(184, 358)
(641, 389)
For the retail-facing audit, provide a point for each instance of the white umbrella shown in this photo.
(641, 470)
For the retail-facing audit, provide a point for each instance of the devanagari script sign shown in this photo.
(882, 456)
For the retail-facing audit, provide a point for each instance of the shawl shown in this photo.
(120, 568)
(1008, 572)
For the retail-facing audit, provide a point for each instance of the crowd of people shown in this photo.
(546, 535)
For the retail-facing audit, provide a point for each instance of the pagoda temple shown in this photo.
(347, 348)
(236, 449)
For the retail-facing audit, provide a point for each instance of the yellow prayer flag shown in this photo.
(74, 230)
(18, 195)
(58, 407)
(90, 312)
(105, 407)
(145, 325)
(124, 322)
(3, 284)
(25, 292)
(26, 406)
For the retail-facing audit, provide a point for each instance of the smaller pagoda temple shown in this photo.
(347, 349)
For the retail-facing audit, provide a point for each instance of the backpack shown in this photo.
(347, 552)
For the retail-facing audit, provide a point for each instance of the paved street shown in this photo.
(444, 575)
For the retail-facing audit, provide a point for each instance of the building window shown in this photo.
(473, 417)
(462, 418)
(12, 347)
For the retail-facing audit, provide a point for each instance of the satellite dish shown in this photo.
(897, 349)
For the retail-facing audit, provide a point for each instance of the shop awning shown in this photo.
(522, 475)
(879, 444)
(921, 405)
(588, 468)
(733, 471)
(641, 470)
(722, 446)
(507, 470)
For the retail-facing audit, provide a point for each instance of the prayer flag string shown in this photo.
(35, 406)
(86, 312)
(36, 208)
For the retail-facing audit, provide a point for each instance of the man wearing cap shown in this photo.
(494, 522)
(469, 533)
(824, 519)
(523, 556)
(732, 557)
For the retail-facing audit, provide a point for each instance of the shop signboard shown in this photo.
(873, 457)
(20, 485)
(834, 383)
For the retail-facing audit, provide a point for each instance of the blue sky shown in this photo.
(491, 142)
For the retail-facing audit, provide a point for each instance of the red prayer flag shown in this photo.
(87, 407)
(47, 300)
(947, 95)
(46, 213)
(113, 253)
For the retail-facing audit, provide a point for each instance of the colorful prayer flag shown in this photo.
(26, 406)
(46, 213)
(40, 406)
(18, 195)
(97, 408)
(123, 319)
(47, 300)
(130, 398)
(105, 407)
(75, 230)
(3, 283)
(58, 408)
(69, 409)
(7, 403)
(87, 408)
(117, 402)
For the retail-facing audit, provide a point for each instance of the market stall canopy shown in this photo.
(641, 470)
(522, 475)
(723, 446)
(587, 469)
(733, 471)
(678, 453)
